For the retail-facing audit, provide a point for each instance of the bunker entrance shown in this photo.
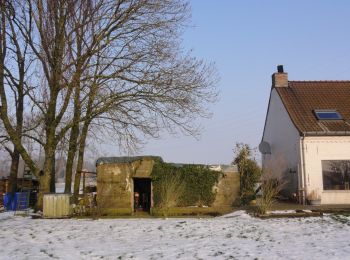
(142, 194)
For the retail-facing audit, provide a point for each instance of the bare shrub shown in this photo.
(172, 189)
(270, 188)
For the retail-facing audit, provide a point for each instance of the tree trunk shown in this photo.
(80, 163)
(15, 156)
(53, 176)
(45, 179)
(49, 163)
(70, 158)
(14, 170)
(74, 134)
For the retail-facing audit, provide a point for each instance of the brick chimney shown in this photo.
(280, 78)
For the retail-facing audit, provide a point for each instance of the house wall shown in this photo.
(325, 148)
(283, 137)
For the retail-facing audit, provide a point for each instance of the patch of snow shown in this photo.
(239, 213)
(6, 215)
(236, 235)
(307, 210)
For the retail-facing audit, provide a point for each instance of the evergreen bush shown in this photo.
(197, 180)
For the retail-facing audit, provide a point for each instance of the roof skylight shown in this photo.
(328, 115)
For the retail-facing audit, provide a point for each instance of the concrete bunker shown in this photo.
(127, 185)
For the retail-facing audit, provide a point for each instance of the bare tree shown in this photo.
(15, 75)
(141, 81)
(112, 66)
(46, 39)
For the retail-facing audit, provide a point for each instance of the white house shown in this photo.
(306, 139)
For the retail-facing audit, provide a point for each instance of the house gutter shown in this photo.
(302, 168)
(326, 133)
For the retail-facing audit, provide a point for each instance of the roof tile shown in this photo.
(301, 98)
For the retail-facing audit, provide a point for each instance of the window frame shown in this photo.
(336, 174)
(317, 111)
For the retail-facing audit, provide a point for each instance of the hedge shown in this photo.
(198, 180)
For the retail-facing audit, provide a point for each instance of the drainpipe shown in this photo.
(303, 171)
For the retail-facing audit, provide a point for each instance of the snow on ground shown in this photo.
(234, 236)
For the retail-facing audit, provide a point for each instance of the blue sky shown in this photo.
(246, 40)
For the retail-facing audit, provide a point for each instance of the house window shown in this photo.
(336, 174)
(327, 115)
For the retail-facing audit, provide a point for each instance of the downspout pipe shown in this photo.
(303, 170)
